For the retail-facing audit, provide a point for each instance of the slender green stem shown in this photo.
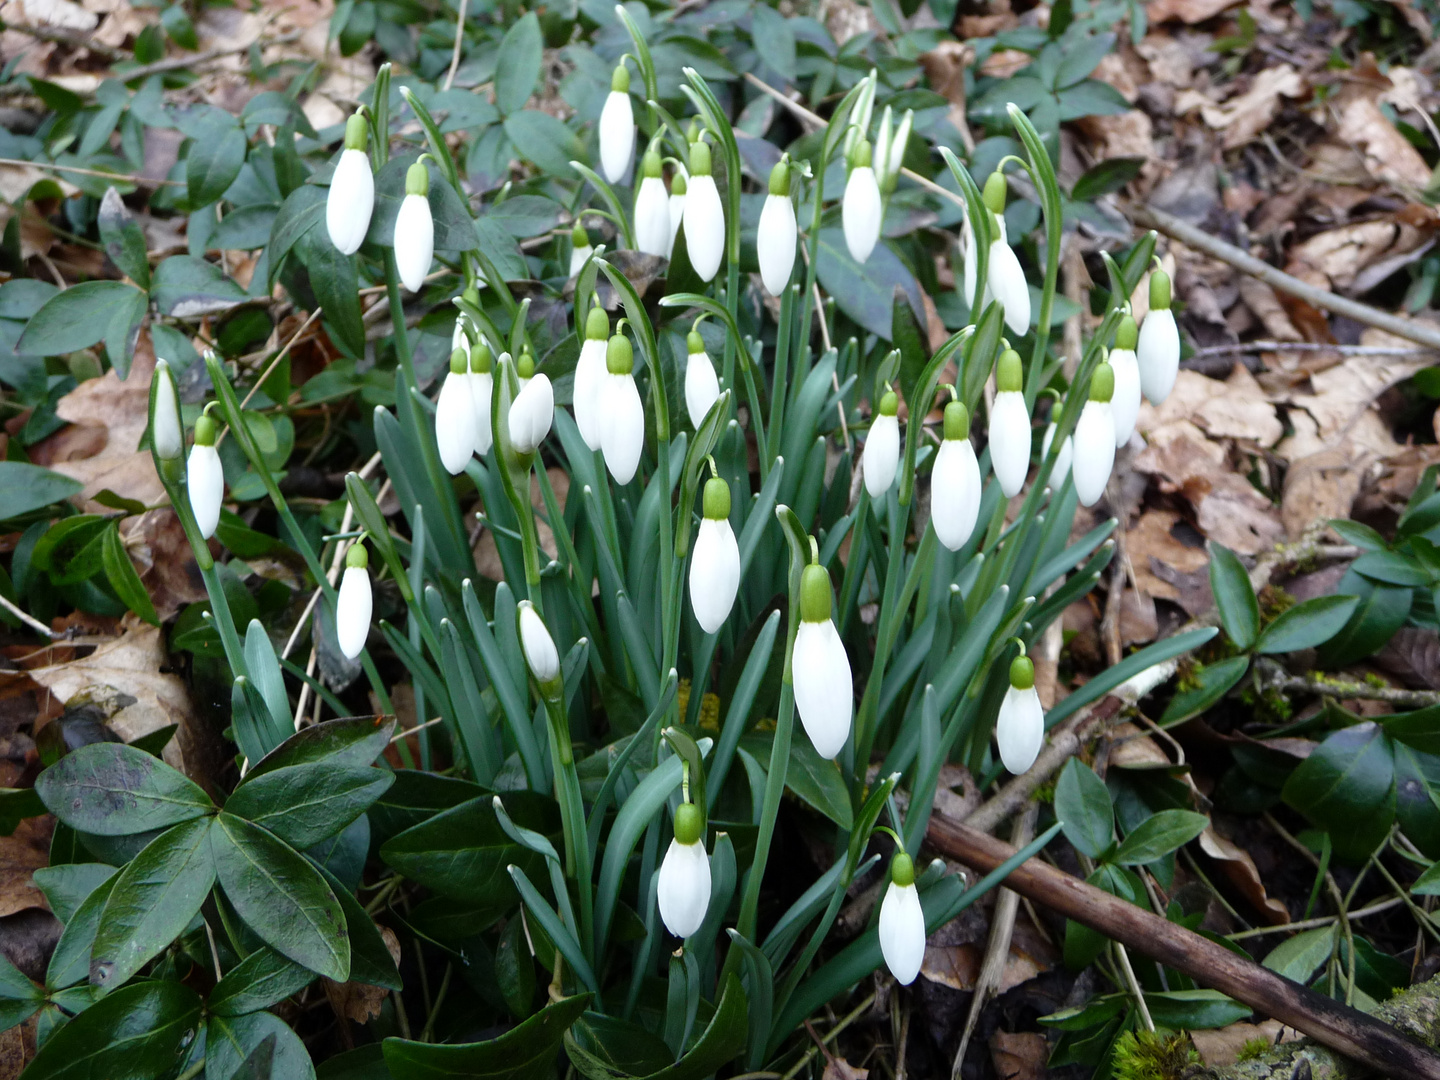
(220, 612)
(784, 335)
(774, 789)
(859, 560)
(572, 814)
(397, 319)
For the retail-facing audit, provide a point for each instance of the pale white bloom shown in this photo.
(1006, 281)
(415, 230)
(590, 376)
(455, 416)
(1020, 726)
(1010, 435)
(678, 187)
(1094, 451)
(820, 669)
(205, 479)
(702, 385)
(1125, 404)
(539, 647)
(622, 421)
(580, 248)
(715, 562)
(955, 482)
(482, 386)
(902, 931)
(355, 603)
(165, 436)
(860, 209)
(1065, 455)
(617, 128)
(652, 210)
(351, 199)
(775, 238)
(970, 257)
(1158, 354)
(531, 414)
(704, 216)
(683, 889)
(881, 457)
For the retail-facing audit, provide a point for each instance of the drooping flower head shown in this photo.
(1020, 727)
(1125, 402)
(590, 376)
(617, 127)
(1010, 431)
(1095, 439)
(881, 458)
(533, 410)
(415, 229)
(775, 239)
(704, 215)
(354, 605)
(580, 248)
(204, 477)
(351, 199)
(1065, 454)
(715, 562)
(955, 481)
(1158, 350)
(455, 415)
(902, 922)
(820, 669)
(683, 889)
(702, 385)
(541, 656)
(482, 386)
(861, 209)
(678, 187)
(652, 208)
(1003, 275)
(622, 416)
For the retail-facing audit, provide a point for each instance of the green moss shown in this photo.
(1274, 602)
(1253, 1049)
(1152, 1055)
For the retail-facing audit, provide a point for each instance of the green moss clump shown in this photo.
(1253, 1049)
(1152, 1055)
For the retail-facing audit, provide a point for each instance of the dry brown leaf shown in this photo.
(1335, 258)
(837, 1068)
(1002, 63)
(1235, 408)
(1170, 62)
(1020, 1055)
(1262, 300)
(362, 1002)
(958, 966)
(487, 556)
(60, 14)
(1240, 868)
(1389, 156)
(1244, 117)
(21, 854)
(1319, 487)
(1189, 11)
(1151, 540)
(1222, 1046)
(164, 560)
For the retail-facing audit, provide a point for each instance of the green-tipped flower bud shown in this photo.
(860, 155)
(957, 421)
(357, 132)
(597, 324)
(620, 79)
(579, 236)
(692, 132)
(717, 499)
(995, 192)
(694, 343)
(1102, 383)
(699, 159)
(902, 869)
(1159, 291)
(205, 430)
(459, 362)
(619, 356)
(357, 556)
(481, 359)
(780, 179)
(889, 403)
(1009, 372)
(678, 186)
(1127, 334)
(1022, 673)
(689, 823)
(525, 366)
(650, 165)
(417, 179)
(815, 595)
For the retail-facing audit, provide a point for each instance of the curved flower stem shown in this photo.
(397, 319)
(572, 813)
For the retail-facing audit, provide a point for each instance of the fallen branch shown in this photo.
(1329, 1022)
(1275, 677)
(1150, 218)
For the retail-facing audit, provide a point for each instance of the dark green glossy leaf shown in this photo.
(304, 804)
(1382, 610)
(544, 140)
(1160, 835)
(1211, 684)
(1306, 625)
(75, 319)
(1391, 567)
(1195, 1009)
(1420, 729)
(1239, 609)
(124, 242)
(66, 886)
(70, 962)
(1106, 177)
(525, 1052)
(187, 287)
(332, 276)
(517, 67)
(213, 163)
(370, 958)
(25, 488)
(230, 1040)
(121, 574)
(1082, 803)
(1347, 787)
(349, 741)
(257, 982)
(136, 1033)
(111, 789)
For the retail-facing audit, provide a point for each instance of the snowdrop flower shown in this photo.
(882, 447)
(678, 187)
(902, 922)
(970, 257)
(715, 563)
(890, 153)
(531, 414)
(354, 604)
(482, 386)
(622, 417)
(702, 386)
(351, 200)
(860, 210)
(1003, 276)
(204, 478)
(580, 248)
(541, 656)
(775, 239)
(1095, 439)
(1158, 351)
(1061, 469)
(824, 693)
(1125, 403)
(165, 437)
(617, 127)
(1020, 727)
(683, 890)
(704, 216)
(652, 209)
(415, 229)
(455, 416)
(1010, 426)
(458, 338)
(590, 376)
(955, 481)
(525, 366)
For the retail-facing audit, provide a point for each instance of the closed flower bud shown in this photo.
(715, 562)
(455, 416)
(351, 199)
(165, 436)
(702, 386)
(204, 478)
(652, 210)
(955, 481)
(682, 891)
(860, 209)
(1095, 439)
(882, 448)
(531, 414)
(622, 416)
(415, 229)
(820, 670)
(678, 187)
(1125, 402)
(580, 248)
(1020, 727)
(354, 605)
(541, 656)
(704, 216)
(482, 386)
(1064, 456)
(1158, 351)
(775, 239)
(1010, 431)
(617, 128)
(590, 376)
(902, 922)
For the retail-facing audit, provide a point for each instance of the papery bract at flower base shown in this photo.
(205, 478)
(902, 922)
(824, 690)
(617, 127)
(715, 561)
(881, 458)
(955, 485)
(351, 198)
(1020, 725)
(455, 416)
(166, 438)
(355, 604)
(590, 376)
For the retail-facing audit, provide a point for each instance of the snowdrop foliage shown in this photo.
(1158, 351)
(351, 199)
(1020, 727)
(652, 209)
(683, 889)
(902, 922)
(715, 562)
(955, 481)
(1010, 431)
(205, 478)
(617, 127)
(702, 385)
(415, 229)
(882, 447)
(541, 656)
(775, 239)
(1095, 439)
(355, 604)
(622, 416)
(704, 216)
(1125, 402)
(861, 210)
(824, 696)
(455, 416)
(590, 376)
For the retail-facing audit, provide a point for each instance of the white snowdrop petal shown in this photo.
(860, 212)
(1094, 451)
(482, 385)
(205, 481)
(902, 932)
(414, 241)
(704, 226)
(677, 215)
(1010, 441)
(970, 256)
(955, 493)
(652, 217)
(531, 414)
(578, 257)
(165, 435)
(353, 608)
(824, 691)
(1020, 729)
(623, 427)
(350, 202)
(714, 573)
(1125, 400)
(539, 646)
(702, 386)
(1007, 281)
(617, 135)
(881, 456)
(683, 889)
(775, 243)
(590, 374)
(455, 423)
(1158, 353)
(1061, 468)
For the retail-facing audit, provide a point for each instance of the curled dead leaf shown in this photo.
(1240, 868)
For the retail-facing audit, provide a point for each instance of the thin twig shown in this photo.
(1133, 985)
(849, 1019)
(29, 620)
(1277, 678)
(459, 41)
(75, 41)
(1311, 924)
(1310, 347)
(124, 178)
(189, 63)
